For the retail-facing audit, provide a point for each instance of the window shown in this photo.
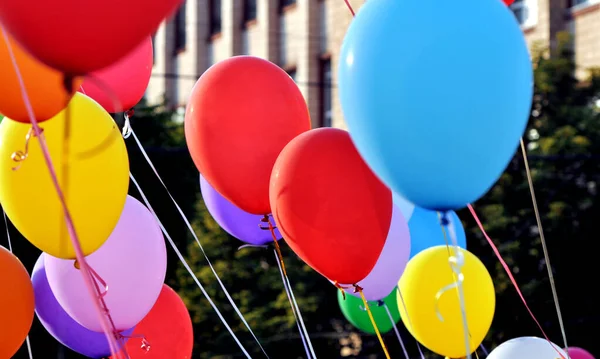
(215, 16)
(283, 60)
(326, 98)
(526, 12)
(249, 10)
(154, 49)
(180, 33)
(292, 73)
(245, 42)
(285, 3)
(582, 3)
(323, 38)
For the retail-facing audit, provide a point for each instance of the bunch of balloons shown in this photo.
(418, 115)
(69, 85)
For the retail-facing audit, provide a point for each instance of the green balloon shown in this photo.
(353, 310)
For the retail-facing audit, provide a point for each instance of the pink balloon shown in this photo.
(386, 273)
(128, 78)
(578, 353)
(132, 262)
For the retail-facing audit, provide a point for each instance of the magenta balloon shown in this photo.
(128, 79)
(578, 353)
(386, 273)
(132, 262)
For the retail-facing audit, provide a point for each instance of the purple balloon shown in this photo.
(386, 273)
(132, 262)
(59, 324)
(240, 224)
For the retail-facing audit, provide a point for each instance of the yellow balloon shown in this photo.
(425, 275)
(94, 176)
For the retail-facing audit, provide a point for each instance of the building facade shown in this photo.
(304, 38)
(542, 20)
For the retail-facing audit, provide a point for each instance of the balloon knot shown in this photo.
(129, 113)
(380, 303)
(357, 288)
(444, 219)
(341, 288)
(265, 219)
(145, 345)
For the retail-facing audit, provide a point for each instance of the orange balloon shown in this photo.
(16, 304)
(44, 85)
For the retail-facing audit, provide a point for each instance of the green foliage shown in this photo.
(563, 141)
(563, 138)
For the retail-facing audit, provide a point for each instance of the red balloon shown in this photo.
(167, 328)
(330, 207)
(508, 2)
(80, 36)
(128, 79)
(241, 114)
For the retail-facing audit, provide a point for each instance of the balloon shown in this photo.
(78, 37)
(405, 206)
(331, 209)
(578, 353)
(128, 79)
(438, 123)
(132, 262)
(167, 328)
(508, 2)
(527, 348)
(241, 113)
(242, 225)
(428, 273)
(44, 85)
(95, 189)
(16, 303)
(353, 310)
(384, 277)
(426, 231)
(59, 324)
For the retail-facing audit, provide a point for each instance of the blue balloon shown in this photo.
(436, 95)
(426, 231)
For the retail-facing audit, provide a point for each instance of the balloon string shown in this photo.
(104, 87)
(127, 132)
(29, 351)
(387, 310)
(252, 246)
(7, 232)
(358, 289)
(187, 266)
(408, 320)
(10, 248)
(20, 156)
(287, 292)
(544, 247)
(456, 261)
(484, 350)
(271, 228)
(510, 276)
(69, 222)
(350, 7)
(288, 287)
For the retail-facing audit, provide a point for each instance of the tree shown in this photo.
(563, 139)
